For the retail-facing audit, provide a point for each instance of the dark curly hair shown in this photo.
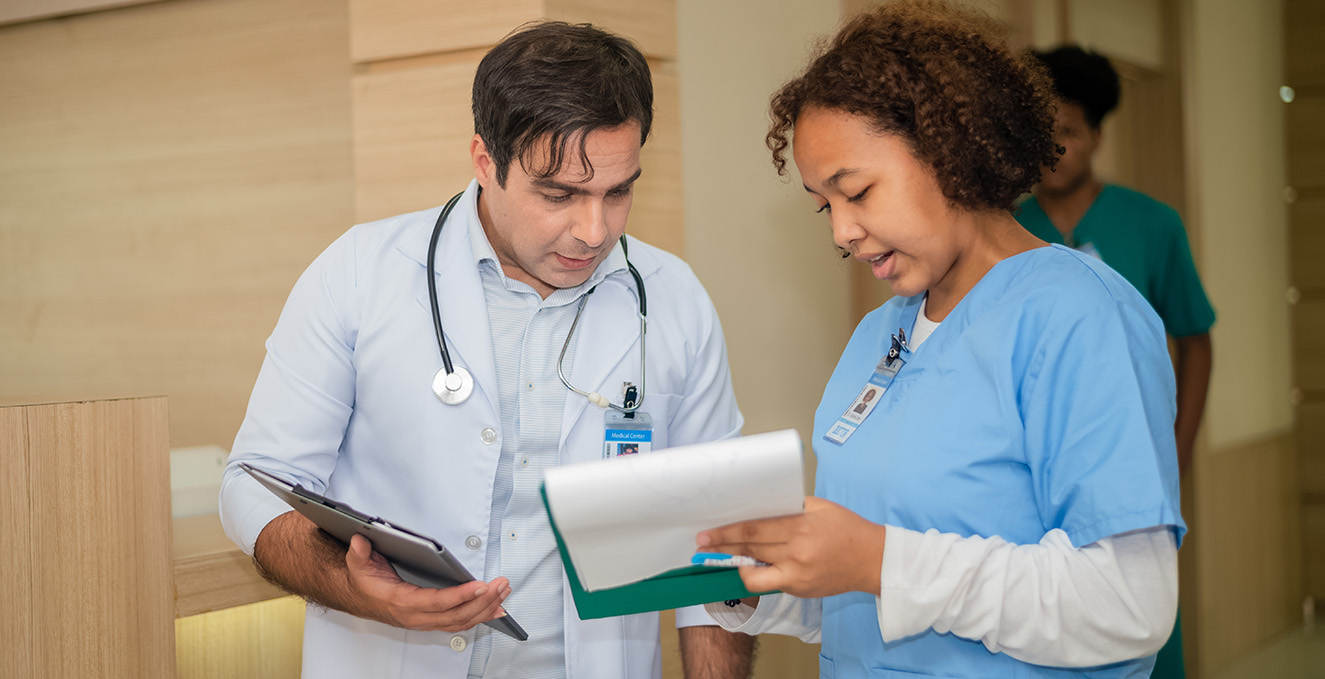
(1084, 78)
(945, 81)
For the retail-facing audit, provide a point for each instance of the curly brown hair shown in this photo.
(945, 81)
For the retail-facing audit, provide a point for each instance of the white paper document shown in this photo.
(634, 517)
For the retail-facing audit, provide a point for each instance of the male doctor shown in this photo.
(344, 404)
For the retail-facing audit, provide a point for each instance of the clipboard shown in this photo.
(676, 588)
(418, 559)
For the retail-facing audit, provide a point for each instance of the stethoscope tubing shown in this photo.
(432, 281)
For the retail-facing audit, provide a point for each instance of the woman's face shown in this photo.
(885, 205)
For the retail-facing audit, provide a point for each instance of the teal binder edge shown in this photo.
(674, 589)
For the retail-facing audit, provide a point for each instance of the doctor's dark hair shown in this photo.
(1083, 78)
(944, 80)
(557, 82)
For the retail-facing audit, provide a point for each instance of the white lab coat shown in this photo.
(344, 405)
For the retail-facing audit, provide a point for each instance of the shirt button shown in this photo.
(512, 535)
(524, 462)
(473, 543)
(529, 386)
(458, 643)
(488, 435)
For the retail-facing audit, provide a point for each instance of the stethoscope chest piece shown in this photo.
(453, 388)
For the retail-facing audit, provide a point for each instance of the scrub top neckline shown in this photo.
(957, 319)
(1077, 238)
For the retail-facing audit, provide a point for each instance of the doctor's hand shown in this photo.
(825, 551)
(387, 598)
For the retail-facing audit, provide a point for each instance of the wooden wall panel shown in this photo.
(657, 215)
(162, 187)
(389, 29)
(1313, 530)
(17, 555)
(1311, 473)
(1310, 431)
(1304, 69)
(1249, 548)
(1131, 30)
(1306, 227)
(412, 128)
(1309, 353)
(97, 531)
(650, 23)
(15, 11)
(1306, 160)
(1304, 24)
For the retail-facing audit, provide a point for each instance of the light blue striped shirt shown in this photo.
(527, 336)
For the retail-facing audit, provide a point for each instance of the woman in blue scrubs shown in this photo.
(1006, 503)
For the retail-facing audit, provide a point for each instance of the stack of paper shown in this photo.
(631, 518)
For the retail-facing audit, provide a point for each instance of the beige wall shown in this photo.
(767, 260)
(1236, 139)
(166, 172)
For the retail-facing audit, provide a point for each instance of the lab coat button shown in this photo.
(489, 435)
(473, 543)
(458, 643)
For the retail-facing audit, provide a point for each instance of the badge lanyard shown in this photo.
(627, 433)
(872, 393)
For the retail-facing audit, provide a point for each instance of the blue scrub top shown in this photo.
(1045, 400)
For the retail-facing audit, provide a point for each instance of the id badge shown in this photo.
(871, 393)
(626, 436)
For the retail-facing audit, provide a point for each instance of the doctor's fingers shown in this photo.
(364, 562)
(449, 610)
(465, 596)
(493, 611)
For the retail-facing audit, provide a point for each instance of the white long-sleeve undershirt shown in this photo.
(1047, 604)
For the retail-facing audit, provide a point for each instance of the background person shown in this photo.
(1010, 505)
(344, 406)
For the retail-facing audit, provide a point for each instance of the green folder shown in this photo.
(674, 589)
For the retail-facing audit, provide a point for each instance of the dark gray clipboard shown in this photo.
(418, 559)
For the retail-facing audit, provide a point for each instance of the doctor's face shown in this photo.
(885, 206)
(553, 232)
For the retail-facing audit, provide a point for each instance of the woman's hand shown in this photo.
(827, 550)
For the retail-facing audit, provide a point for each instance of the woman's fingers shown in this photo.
(749, 533)
(763, 578)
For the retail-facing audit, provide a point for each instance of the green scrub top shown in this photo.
(1144, 241)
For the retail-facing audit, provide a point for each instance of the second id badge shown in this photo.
(872, 393)
(626, 435)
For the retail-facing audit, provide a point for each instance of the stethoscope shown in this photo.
(453, 384)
